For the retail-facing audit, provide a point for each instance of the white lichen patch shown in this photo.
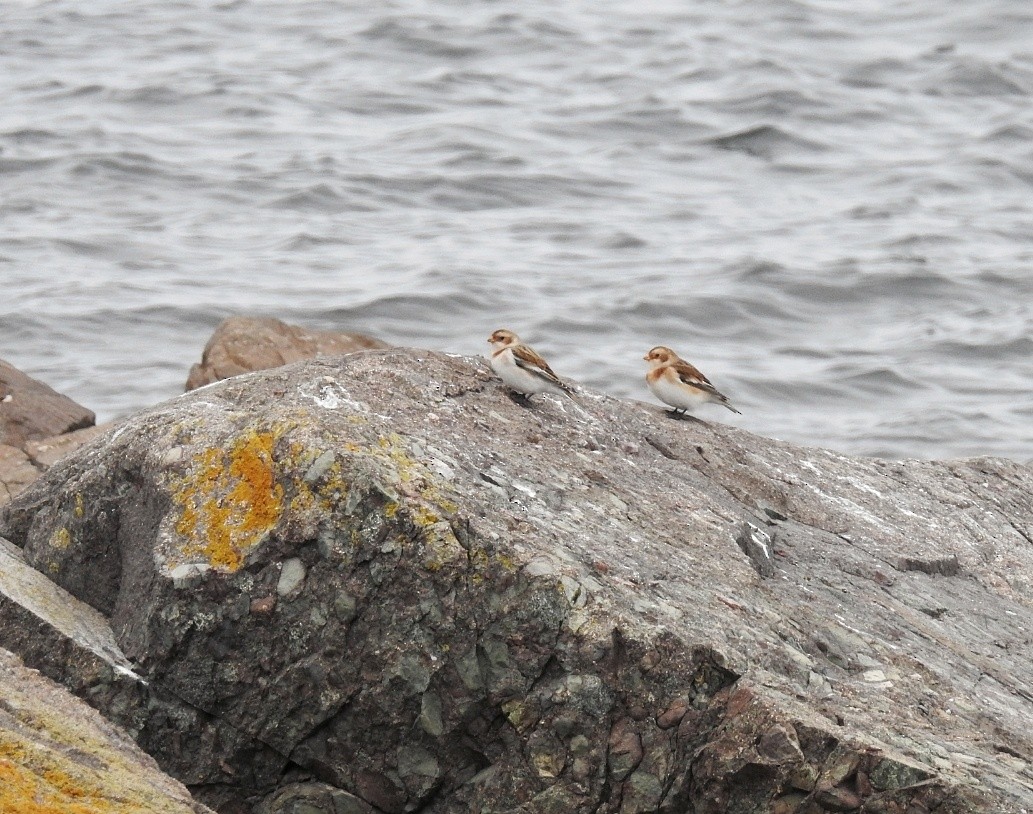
(329, 394)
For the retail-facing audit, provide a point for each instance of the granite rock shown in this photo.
(243, 344)
(417, 592)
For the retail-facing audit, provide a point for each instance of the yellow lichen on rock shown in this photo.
(229, 500)
(58, 756)
(441, 547)
(414, 477)
(45, 788)
(61, 538)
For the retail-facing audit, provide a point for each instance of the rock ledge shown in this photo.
(391, 588)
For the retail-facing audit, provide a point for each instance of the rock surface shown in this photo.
(73, 644)
(20, 466)
(37, 426)
(31, 410)
(418, 595)
(16, 472)
(57, 756)
(244, 344)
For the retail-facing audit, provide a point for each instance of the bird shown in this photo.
(677, 383)
(521, 369)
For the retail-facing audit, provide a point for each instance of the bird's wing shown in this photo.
(530, 361)
(690, 375)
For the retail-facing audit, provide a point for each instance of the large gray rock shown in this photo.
(429, 597)
(242, 344)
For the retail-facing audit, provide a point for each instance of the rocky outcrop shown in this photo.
(30, 410)
(73, 644)
(58, 755)
(37, 426)
(244, 344)
(403, 591)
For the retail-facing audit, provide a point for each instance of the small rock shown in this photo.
(292, 575)
(243, 344)
(756, 545)
(838, 799)
(935, 566)
(320, 466)
(866, 662)
(642, 792)
(779, 745)
(263, 605)
(672, 716)
(430, 715)
(788, 803)
(895, 773)
(625, 751)
(188, 574)
(31, 410)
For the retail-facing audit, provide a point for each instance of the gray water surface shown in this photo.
(827, 206)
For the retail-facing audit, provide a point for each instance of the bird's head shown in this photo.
(660, 356)
(503, 339)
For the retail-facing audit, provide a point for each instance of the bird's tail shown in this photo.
(728, 404)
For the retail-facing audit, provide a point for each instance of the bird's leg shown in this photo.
(522, 399)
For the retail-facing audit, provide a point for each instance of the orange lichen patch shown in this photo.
(229, 500)
(37, 779)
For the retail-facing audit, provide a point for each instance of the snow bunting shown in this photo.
(520, 368)
(674, 381)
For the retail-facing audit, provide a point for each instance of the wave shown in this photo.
(767, 141)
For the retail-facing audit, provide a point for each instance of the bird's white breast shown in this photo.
(677, 394)
(516, 377)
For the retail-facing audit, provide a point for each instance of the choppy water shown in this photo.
(826, 205)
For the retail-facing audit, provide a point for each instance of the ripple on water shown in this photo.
(767, 141)
(837, 235)
(971, 77)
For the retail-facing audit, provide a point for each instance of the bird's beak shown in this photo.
(645, 358)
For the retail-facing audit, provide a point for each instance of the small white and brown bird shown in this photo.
(674, 381)
(521, 369)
